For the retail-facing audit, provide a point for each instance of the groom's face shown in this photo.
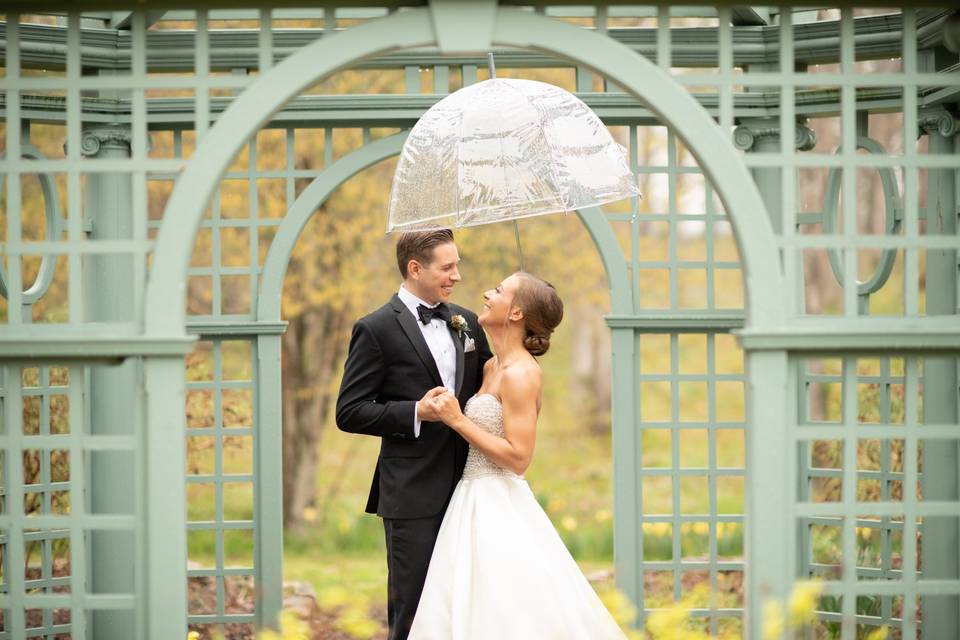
(434, 282)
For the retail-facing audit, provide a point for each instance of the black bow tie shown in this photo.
(427, 314)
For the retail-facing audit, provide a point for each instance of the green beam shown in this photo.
(876, 37)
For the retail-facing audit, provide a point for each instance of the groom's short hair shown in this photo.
(418, 245)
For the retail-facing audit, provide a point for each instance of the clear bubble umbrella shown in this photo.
(505, 149)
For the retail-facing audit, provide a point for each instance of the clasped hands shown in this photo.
(439, 405)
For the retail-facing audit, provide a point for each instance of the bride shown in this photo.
(499, 570)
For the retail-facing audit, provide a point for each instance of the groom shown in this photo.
(414, 343)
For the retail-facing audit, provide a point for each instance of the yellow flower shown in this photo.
(803, 602)
(880, 633)
(556, 504)
(619, 606)
(666, 623)
(310, 514)
(355, 621)
(569, 523)
(701, 528)
(193, 635)
(333, 597)
(602, 515)
(772, 620)
(291, 628)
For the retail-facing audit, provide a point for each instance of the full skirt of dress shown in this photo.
(499, 571)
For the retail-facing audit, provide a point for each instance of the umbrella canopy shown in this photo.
(504, 149)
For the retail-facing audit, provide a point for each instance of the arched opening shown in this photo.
(636, 75)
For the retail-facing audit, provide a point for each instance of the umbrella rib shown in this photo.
(503, 164)
(553, 162)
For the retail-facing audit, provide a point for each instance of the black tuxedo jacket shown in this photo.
(388, 369)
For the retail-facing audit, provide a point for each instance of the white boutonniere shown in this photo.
(459, 324)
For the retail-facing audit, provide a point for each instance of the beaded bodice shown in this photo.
(487, 413)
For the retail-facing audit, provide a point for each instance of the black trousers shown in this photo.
(409, 546)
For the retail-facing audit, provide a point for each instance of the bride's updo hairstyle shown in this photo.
(542, 311)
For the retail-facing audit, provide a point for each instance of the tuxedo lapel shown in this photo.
(409, 325)
(458, 345)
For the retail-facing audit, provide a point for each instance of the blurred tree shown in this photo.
(337, 272)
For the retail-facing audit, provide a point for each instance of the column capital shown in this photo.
(938, 120)
(95, 139)
(746, 135)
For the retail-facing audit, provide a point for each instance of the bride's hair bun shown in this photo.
(536, 345)
(542, 311)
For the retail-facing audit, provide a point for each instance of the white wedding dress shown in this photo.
(499, 569)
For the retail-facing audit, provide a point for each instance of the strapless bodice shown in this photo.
(486, 412)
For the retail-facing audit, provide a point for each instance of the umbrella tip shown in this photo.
(491, 65)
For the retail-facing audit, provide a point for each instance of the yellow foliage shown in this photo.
(803, 602)
(356, 621)
(666, 624)
(673, 622)
(622, 610)
(879, 633)
(773, 623)
(291, 628)
(333, 598)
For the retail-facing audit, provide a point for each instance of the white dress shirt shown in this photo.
(439, 341)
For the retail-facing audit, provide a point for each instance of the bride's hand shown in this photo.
(447, 407)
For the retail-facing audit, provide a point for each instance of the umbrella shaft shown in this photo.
(516, 231)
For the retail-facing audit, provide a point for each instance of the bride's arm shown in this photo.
(519, 391)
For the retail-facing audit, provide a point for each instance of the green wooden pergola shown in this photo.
(741, 88)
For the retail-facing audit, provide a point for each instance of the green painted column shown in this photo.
(770, 533)
(108, 296)
(627, 498)
(770, 542)
(762, 135)
(163, 579)
(268, 490)
(941, 459)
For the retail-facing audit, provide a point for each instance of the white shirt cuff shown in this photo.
(416, 422)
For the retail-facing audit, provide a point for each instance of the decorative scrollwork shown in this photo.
(941, 121)
(746, 135)
(92, 140)
(805, 137)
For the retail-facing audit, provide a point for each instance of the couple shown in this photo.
(470, 553)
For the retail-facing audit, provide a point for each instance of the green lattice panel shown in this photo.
(221, 482)
(48, 522)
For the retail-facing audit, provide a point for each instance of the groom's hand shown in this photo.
(447, 407)
(426, 409)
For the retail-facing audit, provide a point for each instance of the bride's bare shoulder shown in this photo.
(523, 375)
